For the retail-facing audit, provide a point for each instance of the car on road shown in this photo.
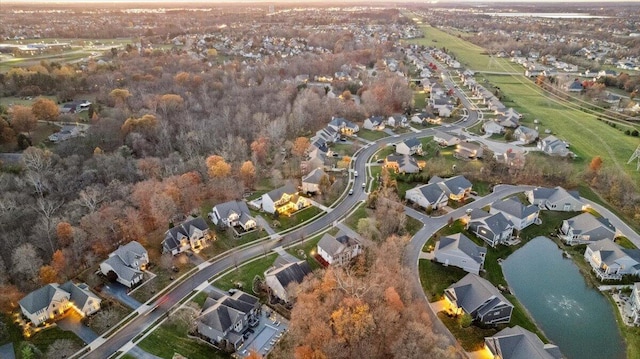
(351, 191)
(364, 184)
(355, 173)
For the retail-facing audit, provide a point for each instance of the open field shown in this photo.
(587, 136)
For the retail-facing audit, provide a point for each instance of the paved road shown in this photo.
(166, 302)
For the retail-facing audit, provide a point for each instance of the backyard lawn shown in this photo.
(244, 275)
(167, 340)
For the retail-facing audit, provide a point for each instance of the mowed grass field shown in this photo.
(587, 136)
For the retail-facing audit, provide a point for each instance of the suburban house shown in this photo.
(457, 188)
(492, 128)
(316, 155)
(397, 120)
(585, 228)
(338, 250)
(444, 139)
(191, 234)
(374, 123)
(428, 196)
(575, 86)
(284, 200)
(477, 297)
(65, 133)
(632, 307)
(520, 215)
(468, 150)
(555, 199)
(225, 317)
(553, 146)
(343, 126)
(459, 251)
(419, 118)
(327, 134)
(284, 273)
(53, 299)
(510, 119)
(492, 228)
(609, 261)
(311, 182)
(75, 106)
(409, 147)
(403, 164)
(519, 343)
(513, 159)
(525, 134)
(232, 214)
(127, 263)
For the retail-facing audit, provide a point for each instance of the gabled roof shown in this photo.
(553, 194)
(443, 135)
(218, 316)
(376, 120)
(610, 252)
(291, 272)
(519, 343)
(227, 208)
(335, 245)
(121, 269)
(314, 176)
(39, 298)
(276, 194)
(405, 163)
(456, 184)
(412, 142)
(78, 295)
(496, 223)
(130, 252)
(432, 192)
(473, 291)
(173, 236)
(514, 207)
(586, 223)
(459, 241)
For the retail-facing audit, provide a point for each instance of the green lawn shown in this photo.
(200, 298)
(43, 339)
(162, 279)
(435, 278)
(372, 135)
(166, 340)
(470, 338)
(244, 275)
(352, 220)
(413, 226)
(299, 217)
(307, 250)
(419, 99)
(551, 221)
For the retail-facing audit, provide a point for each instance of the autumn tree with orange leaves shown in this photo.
(367, 310)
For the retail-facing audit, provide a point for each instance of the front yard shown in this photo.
(167, 340)
(242, 277)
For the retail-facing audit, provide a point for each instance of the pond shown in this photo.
(574, 316)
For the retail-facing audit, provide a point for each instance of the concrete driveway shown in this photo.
(119, 292)
(72, 323)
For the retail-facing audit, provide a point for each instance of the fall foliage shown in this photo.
(217, 166)
(45, 110)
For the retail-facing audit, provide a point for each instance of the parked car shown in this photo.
(355, 173)
(364, 184)
(351, 191)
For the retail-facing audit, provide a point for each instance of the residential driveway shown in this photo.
(141, 354)
(72, 323)
(118, 292)
(264, 224)
(6, 351)
(389, 132)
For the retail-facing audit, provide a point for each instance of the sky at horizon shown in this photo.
(26, 2)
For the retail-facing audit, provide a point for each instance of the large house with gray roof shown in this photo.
(311, 182)
(456, 188)
(127, 263)
(444, 139)
(459, 251)
(586, 228)
(519, 343)
(632, 307)
(192, 234)
(282, 274)
(225, 317)
(232, 214)
(343, 126)
(410, 146)
(477, 297)
(609, 261)
(284, 200)
(492, 228)
(555, 199)
(338, 250)
(428, 196)
(553, 146)
(520, 215)
(53, 299)
(403, 164)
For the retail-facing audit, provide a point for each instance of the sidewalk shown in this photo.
(264, 224)
(322, 207)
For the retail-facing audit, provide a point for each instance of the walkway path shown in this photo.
(141, 354)
(285, 255)
(321, 206)
(72, 323)
(264, 224)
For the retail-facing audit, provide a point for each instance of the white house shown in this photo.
(127, 263)
(284, 273)
(609, 261)
(459, 251)
(445, 139)
(284, 200)
(492, 128)
(457, 188)
(632, 307)
(555, 199)
(397, 120)
(53, 299)
(520, 215)
(525, 134)
(585, 228)
(343, 126)
(410, 146)
(468, 150)
(492, 228)
(232, 214)
(338, 250)
(428, 196)
(553, 146)
(311, 182)
(374, 123)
